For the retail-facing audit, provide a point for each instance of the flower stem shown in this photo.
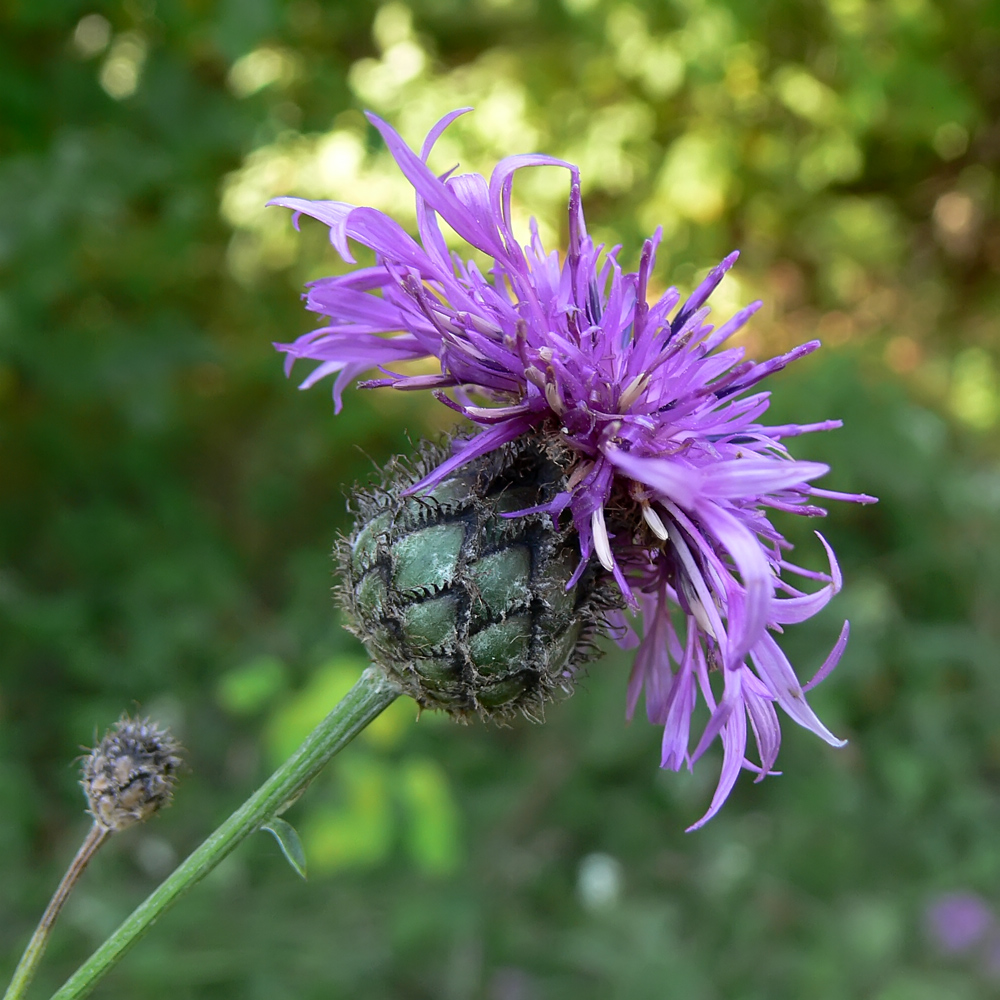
(370, 695)
(25, 970)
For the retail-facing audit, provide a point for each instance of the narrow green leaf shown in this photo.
(288, 840)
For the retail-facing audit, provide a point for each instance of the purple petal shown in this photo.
(847, 497)
(776, 672)
(430, 233)
(731, 326)
(680, 707)
(732, 701)
(436, 193)
(763, 721)
(752, 477)
(791, 610)
(481, 444)
(437, 130)
(734, 745)
(755, 570)
(474, 194)
(673, 480)
(332, 213)
(832, 660)
(388, 239)
(500, 183)
(700, 295)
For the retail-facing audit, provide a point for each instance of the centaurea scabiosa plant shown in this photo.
(669, 473)
(613, 475)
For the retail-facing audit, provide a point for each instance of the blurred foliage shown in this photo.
(168, 501)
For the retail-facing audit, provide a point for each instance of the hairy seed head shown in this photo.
(130, 774)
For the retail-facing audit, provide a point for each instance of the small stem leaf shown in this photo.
(289, 841)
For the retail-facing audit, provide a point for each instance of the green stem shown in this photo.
(370, 696)
(25, 970)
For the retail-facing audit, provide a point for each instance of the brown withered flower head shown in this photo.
(131, 773)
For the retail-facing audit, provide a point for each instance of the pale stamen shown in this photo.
(700, 616)
(552, 398)
(632, 391)
(656, 525)
(602, 544)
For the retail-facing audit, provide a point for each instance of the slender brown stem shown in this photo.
(25, 970)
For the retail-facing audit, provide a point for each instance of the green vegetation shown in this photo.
(168, 501)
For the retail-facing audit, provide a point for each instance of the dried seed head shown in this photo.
(130, 774)
(468, 610)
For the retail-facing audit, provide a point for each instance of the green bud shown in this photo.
(467, 610)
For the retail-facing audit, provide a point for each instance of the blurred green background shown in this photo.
(168, 500)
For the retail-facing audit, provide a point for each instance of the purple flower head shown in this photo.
(673, 475)
(957, 922)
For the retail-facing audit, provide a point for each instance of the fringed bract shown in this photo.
(466, 609)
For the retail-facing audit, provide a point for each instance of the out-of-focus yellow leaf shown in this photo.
(431, 829)
(387, 730)
(248, 688)
(696, 176)
(357, 833)
(975, 389)
(290, 725)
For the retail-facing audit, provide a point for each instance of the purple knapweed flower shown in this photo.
(673, 474)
